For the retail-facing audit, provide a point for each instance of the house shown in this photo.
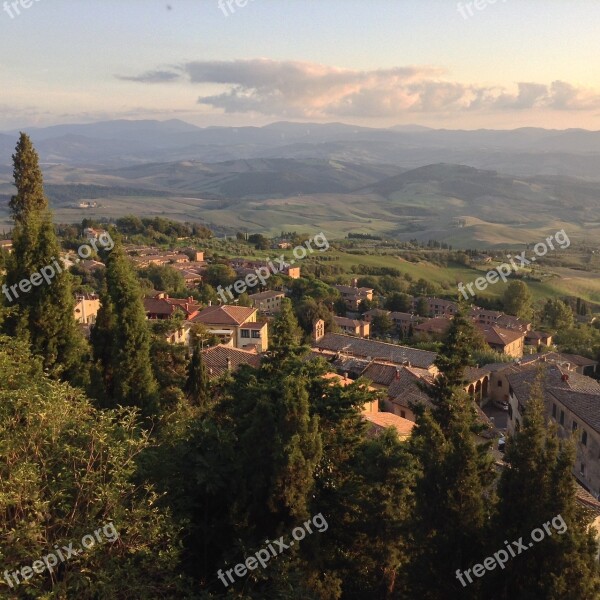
(333, 343)
(504, 341)
(268, 302)
(369, 315)
(291, 272)
(404, 322)
(380, 421)
(6, 246)
(572, 402)
(538, 338)
(437, 307)
(405, 391)
(572, 362)
(353, 327)
(89, 233)
(437, 326)
(160, 306)
(223, 359)
(369, 407)
(235, 324)
(353, 296)
(482, 316)
(86, 308)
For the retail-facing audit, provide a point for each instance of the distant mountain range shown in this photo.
(469, 188)
(525, 151)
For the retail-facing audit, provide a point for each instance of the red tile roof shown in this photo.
(382, 420)
(224, 315)
(216, 363)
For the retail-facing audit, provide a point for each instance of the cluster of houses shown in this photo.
(398, 373)
(503, 333)
(571, 394)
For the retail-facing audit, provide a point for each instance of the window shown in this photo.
(403, 414)
(584, 438)
(582, 469)
(574, 426)
(510, 410)
(245, 333)
(256, 334)
(499, 382)
(554, 411)
(562, 417)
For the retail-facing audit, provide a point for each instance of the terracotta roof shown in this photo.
(373, 312)
(376, 350)
(254, 325)
(498, 335)
(580, 394)
(344, 322)
(580, 361)
(266, 295)
(215, 359)
(404, 389)
(167, 306)
(435, 325)
(382, 420)
(224, 315)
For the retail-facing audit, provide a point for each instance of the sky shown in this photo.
(501, 64)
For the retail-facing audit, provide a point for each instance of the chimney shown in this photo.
(345, 375)
(397, 373)
(229, 364)
(565, 377)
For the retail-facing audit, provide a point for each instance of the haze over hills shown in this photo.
(469, 188)
(525, 151)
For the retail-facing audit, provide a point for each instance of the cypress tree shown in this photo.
(44, 315)
(451, 509)
(535, 488)
(121, 340)
(197, 386)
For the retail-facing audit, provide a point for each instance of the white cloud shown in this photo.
(310, 90)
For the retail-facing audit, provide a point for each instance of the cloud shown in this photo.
(311, 90)
(152, 77)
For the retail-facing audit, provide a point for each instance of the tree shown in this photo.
(244, 300)
(517, 300)
(536, 487)
(197, 386)
(219, 275)
(339, 307)
(76, 475)
(121, 340)
(422, 308)
(558, 314)
(447, 529)
(165, 278)
(286, 335)
(45, 314)
(399, 302)
(382, 324)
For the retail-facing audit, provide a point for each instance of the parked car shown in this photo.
(502, 444)
(502, 404)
